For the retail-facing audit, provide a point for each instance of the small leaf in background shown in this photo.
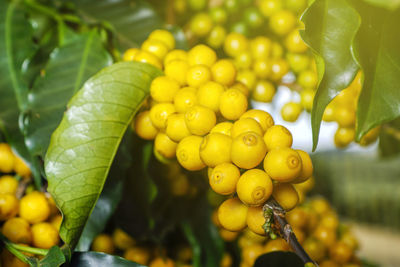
(389, 139)
(330, 26)
(131, 21)
(83, 146)
(279, 258)
(85, 259)
(377, 51)
(68, 68)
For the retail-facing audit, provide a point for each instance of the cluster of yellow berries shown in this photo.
(342, 110)
(198, 114)
(32, 220)
(147, 254)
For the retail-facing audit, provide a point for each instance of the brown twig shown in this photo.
(22, 185)
(285, 230)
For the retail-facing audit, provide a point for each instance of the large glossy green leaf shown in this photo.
(377, 51)
(83, 146)
(88, 259)
(330, 27)
(68, 68)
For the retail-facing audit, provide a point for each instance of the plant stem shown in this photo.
(285, 230)
(36, 251)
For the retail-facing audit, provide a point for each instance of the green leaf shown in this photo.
(131, 21)
(68, 68)
(54, 258)
(86, 259)
(330, 27)
(83, 146)
(279, 258)
(377, 51)
(389, 139)
(194, 243)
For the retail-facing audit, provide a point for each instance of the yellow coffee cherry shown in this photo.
(162, 262)
(177, 70)
(164, 146)
(176, 127)
(103, 243)
(298, 62)
(44, 235)
(157, 48)
(248, 150)
(209, 95)
(246, 125)
(283, 164)
(21, 167)
(247, 77)
(216, 37)
(261, 68)
(185, 99)
(198, 75)
(308, 79)
(254, 187)
(282, 22)
(8, 206)
(163, 36)
(306, 186)
(260, 47)
(235, 43)
(276, 50)
(286, 195)
(180, 186)
(176, 54)
(8, 184)
(200, 120)
(56, 222)
(226, 260)
(244, 60)
(17, 230)
(251, 253)
(345, 117)
(159, 114)
(201, 24)
(270, 7)
(307, 99)
(188, 153)
(294, 43)
(256, 220)
(329, 113)
(241, 87)
(224, 72)
(279, 67)
(344, 136)
(163, 89)
(325, 235)
(6, 158)
(201, 55)
(138, 254)
(149, 58)
(232, 214)
(130, 54)
(222, 127)
(34, 207)
(261, 116)
(307, 167)
(215, 149)
(340, 252)
(263, 91)
(277, 136)
(122, 240)
(144, 127)
(291, 111)
(278, 244)
(233, 104)
(223, 178)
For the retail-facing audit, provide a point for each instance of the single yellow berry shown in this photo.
(185, 99)
(261, 116)
(8, 206)
(263, 91)
(308, 79)
(216, 37)
(329, 113)
(246, 125)
(21, 167)
(130, 54)
(256, 220)
(149, 58)
(159, 114)
(254, 187)
(177, 69)
(344, 136)
(201, 24)
(248, 78)
(235, 43)
(34, 207)
(122, 240)
(200, 120)
(224, 72)
(209, 95)
(307, 99)
(286, 195)
(103, 243)
(163, 89)
(138, 254)
(282, 22)
(144, 127)
(261, 68)
(226, 260)
(233, 104)
(277, 136)
(326, 235)
(44, 235)
(283, 164)
(215, 149)
(345, 116)
(176, 127)
(260, 47)
(248, 150)
(279, 67)
(201, 55)
(188, 153)
(241, 87)
(270, 7)
(278, 244)
(340, 252)
(198, 75)
(291, 111)
(6, 158)
(56, 222)
(8, 184)
(17, 230)
(164, 146)
(307, 167)
(223, 178)
(251, 253)
(244, 60)
(222, 127)
(294, 43)
(164, 36)
(232, 214)
(157, 48)
(177, 54)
